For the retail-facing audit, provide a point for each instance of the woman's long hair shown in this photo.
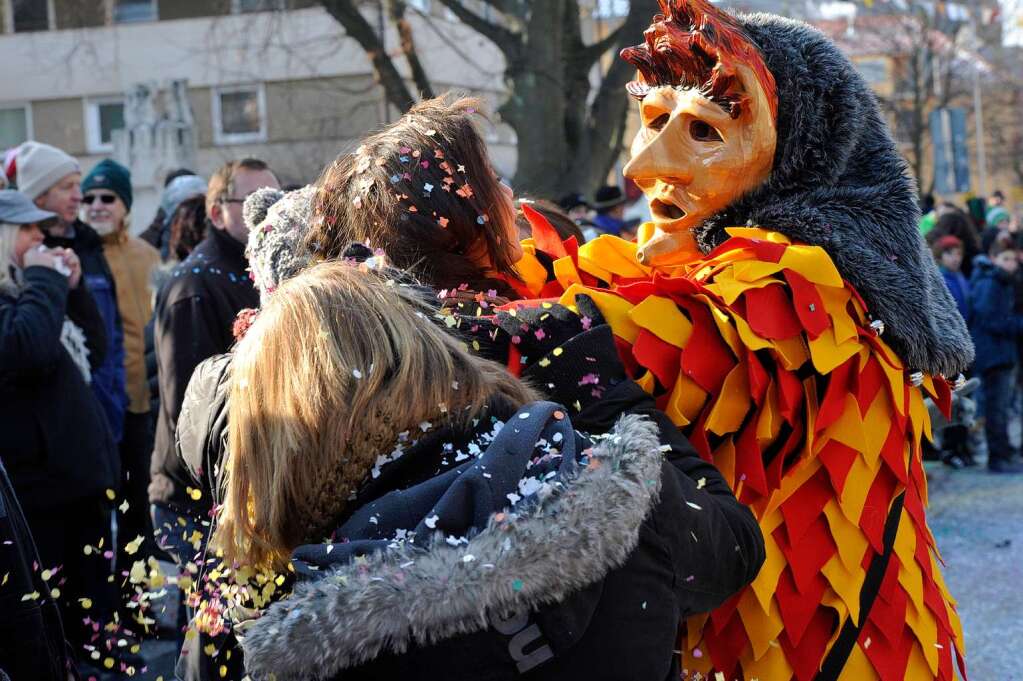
(423, 190)
(338, 364)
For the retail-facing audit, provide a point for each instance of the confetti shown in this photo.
(111, 494)
(692, 505)
(465, 191)
(517, 585)
(431, 132)
(468, 558)
(431, 521)
(132, 547)
(700, 483)
(356, 373)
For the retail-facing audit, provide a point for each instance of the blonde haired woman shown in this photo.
(443, 524)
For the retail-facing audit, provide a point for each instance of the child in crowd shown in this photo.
(948, 251)
(995, 328)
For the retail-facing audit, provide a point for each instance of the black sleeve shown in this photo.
(184, 337)
(82, 310)
(201, 433)
(715, 541)
(30, 325)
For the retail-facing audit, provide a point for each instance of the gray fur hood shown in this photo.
(390, 601)
(839, 183)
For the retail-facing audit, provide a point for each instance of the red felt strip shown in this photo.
(869, 382)
(875, 510)
(749, 466)
(889, 659)
(834, 397)
(893, 452)
(770, 314)
(838, 460)
(808, 304)
(663, 359)
(706, 358)
(726, 646)
(804, 507)
(759, 379)
(790, 394)
(806, 655)
(545, 236)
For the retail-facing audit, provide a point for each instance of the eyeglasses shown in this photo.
(104, 198)
(233, 200)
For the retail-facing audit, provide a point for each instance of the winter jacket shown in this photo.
(959, 287)
(108, 378)
(518, 549)
(195, 310)
(994, 325)
(56, 443)
(131, 262)
(32, 644)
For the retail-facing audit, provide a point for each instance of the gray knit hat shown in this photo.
(40, 166)
(277, 223)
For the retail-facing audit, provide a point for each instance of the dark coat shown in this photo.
(32, 644)
(505, 554)
(994, 323)
(839, 182)
(56, 444)
(959, 287)
(108, 378)
(195, 311)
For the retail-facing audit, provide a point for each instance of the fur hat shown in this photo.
(277, 223)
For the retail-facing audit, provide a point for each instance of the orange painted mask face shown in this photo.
(708, 110)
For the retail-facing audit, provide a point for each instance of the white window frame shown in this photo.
(236, 7)
(221, 138)
(90, 106)
(27, 107)
(113, 14)
(8, 27)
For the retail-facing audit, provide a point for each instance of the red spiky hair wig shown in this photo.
(696, 45)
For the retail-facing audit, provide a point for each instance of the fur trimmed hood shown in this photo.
(385, 602)
(839, 183)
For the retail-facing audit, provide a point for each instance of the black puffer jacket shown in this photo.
(56, 443)
(524, 551)
(195, 311)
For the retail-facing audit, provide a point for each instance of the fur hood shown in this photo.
(839, 183)
(388, 601)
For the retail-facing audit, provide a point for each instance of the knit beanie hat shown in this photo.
(110, 175)
(174, 194)
(40, 166)
(277, 223)
(947, 243)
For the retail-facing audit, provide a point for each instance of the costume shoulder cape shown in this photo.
(766, 359)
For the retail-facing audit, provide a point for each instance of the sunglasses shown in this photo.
(104, 198)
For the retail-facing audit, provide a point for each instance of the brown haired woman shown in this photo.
(424, 191)
(440, 522)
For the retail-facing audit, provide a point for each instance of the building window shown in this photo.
(102, 117)
(131, 11)
(28, 15)
(244, 6)
(239, 114)
(15, 125)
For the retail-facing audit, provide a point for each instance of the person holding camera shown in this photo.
(58, 448)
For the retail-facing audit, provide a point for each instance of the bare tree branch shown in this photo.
(358, 28)
(506, 40)
(396, 9)
(592, 53)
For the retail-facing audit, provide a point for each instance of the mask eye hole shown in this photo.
(702, 131)
(659, 122)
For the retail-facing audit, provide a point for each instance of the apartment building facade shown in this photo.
(275, 79)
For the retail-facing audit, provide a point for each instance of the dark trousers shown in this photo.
(61, 534)
(998, 390)
(134, 520)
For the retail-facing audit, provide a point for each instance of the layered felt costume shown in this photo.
(795, 352)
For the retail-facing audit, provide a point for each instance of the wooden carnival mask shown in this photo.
(708, 105)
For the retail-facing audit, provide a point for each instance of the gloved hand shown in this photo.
(571, 357)
(537, 331)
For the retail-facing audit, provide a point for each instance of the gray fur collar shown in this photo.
(401, 597)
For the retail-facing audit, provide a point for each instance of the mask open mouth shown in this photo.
(666, 212)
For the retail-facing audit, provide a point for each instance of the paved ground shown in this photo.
(977, 520)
